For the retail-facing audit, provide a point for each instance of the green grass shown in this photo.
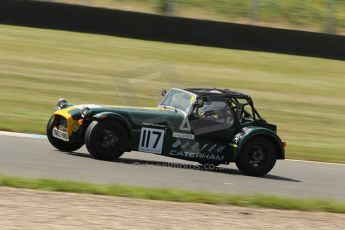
(262, 201)
(296, 14)
(304, 96)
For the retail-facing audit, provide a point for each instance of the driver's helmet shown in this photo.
(213, 110)
(207, 107)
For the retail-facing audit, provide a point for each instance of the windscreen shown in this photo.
(179, 99)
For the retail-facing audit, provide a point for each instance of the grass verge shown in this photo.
(262, 201)
(303, 96)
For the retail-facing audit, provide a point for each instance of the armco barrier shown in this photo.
(170, 29)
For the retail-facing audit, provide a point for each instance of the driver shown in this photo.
(209, 112)
(214, 111)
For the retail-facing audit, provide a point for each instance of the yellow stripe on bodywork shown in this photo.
(193, 99)
(64, 113)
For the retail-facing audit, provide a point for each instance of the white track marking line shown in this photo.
(25, 135)
(39, 136)
(316, 162)
(228, 183)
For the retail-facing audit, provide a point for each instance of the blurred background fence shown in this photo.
(326, 16)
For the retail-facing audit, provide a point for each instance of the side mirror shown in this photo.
(163, 92)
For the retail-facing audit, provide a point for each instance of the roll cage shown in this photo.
(242, 104)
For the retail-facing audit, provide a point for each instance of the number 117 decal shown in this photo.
(151, 140)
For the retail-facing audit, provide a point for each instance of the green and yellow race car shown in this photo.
(209, 126)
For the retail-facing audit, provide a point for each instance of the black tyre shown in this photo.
(258, 157)
(60, 144)
(106, 140)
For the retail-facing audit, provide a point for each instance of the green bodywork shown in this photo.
(171, 132)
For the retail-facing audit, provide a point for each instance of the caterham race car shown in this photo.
(209, 126)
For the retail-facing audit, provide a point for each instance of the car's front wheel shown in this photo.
(106, 140)
(61, 145)
(258, 157)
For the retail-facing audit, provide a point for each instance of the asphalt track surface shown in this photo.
(36, 158)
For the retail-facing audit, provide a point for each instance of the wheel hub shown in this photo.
(109, 139)
(257, 155)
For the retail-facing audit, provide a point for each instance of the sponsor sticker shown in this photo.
(214, 157)
(184, 135)
(60, 134)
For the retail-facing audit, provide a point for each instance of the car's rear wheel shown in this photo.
(106, 140)
(61, 145)
(258, 157)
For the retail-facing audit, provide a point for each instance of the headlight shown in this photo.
(62, 103)
(85, 112)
